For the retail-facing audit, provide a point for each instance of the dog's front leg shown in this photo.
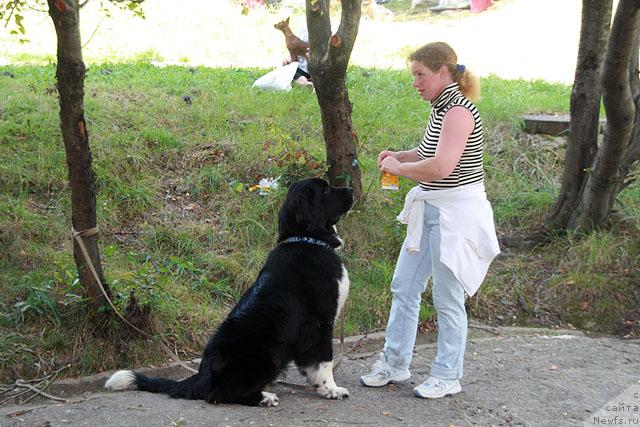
(321, 377)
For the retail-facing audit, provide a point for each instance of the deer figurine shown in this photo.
(295, 45)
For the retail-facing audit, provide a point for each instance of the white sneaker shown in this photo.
(434, 388)
(383, 374)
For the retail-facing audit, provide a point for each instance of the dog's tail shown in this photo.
(189, 388)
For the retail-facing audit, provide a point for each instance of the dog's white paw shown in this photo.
(269, 399)
(335, 393)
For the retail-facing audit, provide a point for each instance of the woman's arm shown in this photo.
(408, 156)
(457, 125)
(401, 156)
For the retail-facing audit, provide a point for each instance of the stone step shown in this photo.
(549, 124)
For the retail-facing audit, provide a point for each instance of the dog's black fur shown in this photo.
(288, 314)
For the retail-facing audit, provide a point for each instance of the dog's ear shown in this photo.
(307, 210)
(303, 211)
(301, 208)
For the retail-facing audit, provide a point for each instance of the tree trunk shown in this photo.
(606, 178)
(633, 153)
(328, 60)
(70, 74)
(585, 109)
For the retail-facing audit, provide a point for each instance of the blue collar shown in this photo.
(307, 240)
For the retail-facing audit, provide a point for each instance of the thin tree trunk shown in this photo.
(339, 140)
(633, 152)
(70, 75)
(328, 60)
(606, 179)
(585, 109)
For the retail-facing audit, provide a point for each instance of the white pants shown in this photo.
(410, 279)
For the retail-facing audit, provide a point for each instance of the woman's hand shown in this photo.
(383, 155)
(390, 165)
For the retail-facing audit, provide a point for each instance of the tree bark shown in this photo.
(606, 179)
(633, 152)
(585, 110)
(70, 73)
(328, 60)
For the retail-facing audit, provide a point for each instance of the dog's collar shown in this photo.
(307, 240)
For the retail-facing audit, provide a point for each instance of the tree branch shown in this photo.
(40, 392)
(319, 27)
(606, 179)
(632, 153)
(585, 110)
(347, 32)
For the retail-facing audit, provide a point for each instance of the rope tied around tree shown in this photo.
(77, 236)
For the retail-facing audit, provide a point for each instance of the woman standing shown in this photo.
(450, 235)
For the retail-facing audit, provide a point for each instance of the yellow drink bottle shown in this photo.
(389, 182)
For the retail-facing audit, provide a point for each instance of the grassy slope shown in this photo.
(181, 230)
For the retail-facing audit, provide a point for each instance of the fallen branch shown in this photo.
(40, 392)
(358, 343)
(484, 329)
(21, 387)
(48, 383)
(14, 396)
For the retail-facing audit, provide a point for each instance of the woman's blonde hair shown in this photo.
(435, 55)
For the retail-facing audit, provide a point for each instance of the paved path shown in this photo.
(537, 380)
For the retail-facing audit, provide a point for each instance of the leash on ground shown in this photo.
(78, 235)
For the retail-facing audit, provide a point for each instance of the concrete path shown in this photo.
(520, 377)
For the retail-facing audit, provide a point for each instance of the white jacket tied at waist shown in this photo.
(468, 241)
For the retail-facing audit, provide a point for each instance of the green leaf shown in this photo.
(237, 186)
(110, 250)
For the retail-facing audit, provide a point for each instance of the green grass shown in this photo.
(597, 284)
(181, 230)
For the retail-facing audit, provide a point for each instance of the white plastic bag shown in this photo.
(278, 79)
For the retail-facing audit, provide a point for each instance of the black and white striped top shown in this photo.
(469, 169)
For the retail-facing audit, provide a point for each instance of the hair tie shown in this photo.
(460, 68)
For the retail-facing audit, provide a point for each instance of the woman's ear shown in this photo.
(443, 71)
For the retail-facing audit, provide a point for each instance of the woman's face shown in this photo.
(428, 83)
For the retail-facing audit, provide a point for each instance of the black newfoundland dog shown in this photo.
(287, 314)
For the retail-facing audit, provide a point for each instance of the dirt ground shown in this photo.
(517, 377)
(530, 39)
